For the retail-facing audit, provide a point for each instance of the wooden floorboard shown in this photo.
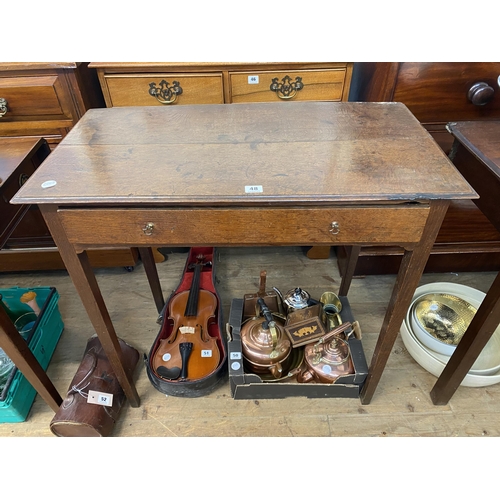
(401, 405)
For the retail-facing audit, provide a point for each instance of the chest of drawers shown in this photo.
(158, 84)
(43, 101)
(437, 93)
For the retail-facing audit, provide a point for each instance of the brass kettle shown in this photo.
(265, 346)
(327, 359)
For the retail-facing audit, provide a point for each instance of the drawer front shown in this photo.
(296, 85)
(244, 226)
(9, 212)
(164, 89)
(31, 98)
(53, 135)
(444, 92)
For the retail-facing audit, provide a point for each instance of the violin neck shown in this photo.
(194, 292)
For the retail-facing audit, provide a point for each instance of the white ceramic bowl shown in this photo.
(433, 365)
(487, 363)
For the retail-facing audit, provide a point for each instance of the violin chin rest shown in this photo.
(169, 373)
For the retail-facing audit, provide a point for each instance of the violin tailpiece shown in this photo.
(185, 348)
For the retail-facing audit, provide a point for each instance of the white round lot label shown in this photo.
(48, 184)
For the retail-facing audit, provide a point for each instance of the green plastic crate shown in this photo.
(18, 394)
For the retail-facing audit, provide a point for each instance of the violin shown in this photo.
(190, 353)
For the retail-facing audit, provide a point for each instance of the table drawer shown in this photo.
(159, 89)
(245, 226)
(297, 85)
(27, 98)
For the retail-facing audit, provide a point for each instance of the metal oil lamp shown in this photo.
(327, 359)
(265, 346)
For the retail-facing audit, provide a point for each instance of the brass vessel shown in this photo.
(331, 307)
(444, 316)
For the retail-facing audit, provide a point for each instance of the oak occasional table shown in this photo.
(310, 173)
(476, 154)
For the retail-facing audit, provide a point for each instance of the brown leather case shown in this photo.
(76, 417)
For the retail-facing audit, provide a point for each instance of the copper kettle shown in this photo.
(327, 359)
(265, 346)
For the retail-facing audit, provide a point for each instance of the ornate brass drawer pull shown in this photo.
(148, 229)
(286, 89)
(3, 106)
(334, 227)
(164, 93)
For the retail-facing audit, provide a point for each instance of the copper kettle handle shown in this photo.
(269, 324)
(341, 328)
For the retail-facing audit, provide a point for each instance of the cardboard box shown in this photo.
(18, 394)
(252, 386)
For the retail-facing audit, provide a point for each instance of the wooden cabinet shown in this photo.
(437, 93)
(157, 84)
(44, 101)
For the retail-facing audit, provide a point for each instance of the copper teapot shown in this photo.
(327, 359)
(265, 346)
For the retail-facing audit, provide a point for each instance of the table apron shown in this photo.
(245, 226)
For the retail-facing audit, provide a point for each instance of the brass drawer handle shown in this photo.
(334, 227)
(148, 229)
(286, 89)
(164, 93)
(3, 107)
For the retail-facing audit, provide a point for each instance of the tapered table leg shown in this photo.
(19, 352)
(352, 260)
(408, 278)
(149, 264)
(86, 285)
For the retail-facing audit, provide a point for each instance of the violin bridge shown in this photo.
(187, 330)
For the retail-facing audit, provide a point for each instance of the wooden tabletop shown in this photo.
(482, 139)
(292, 153)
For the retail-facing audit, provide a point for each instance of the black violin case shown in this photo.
(184, 387)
